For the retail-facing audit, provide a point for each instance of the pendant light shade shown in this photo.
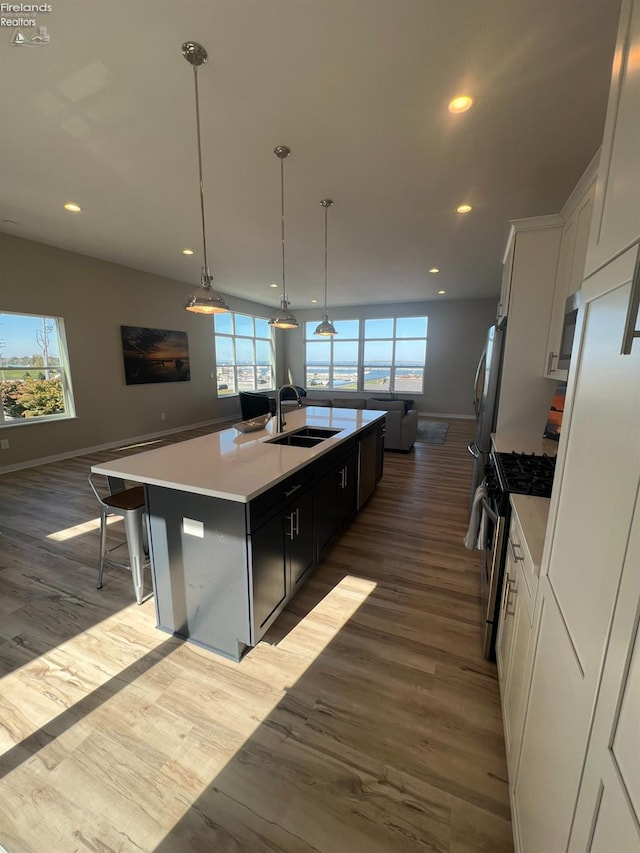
(325, 328)
(206, 300)
(284, 319)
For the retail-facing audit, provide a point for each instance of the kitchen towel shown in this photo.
(471, 540)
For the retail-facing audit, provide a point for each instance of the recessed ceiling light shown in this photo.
(72, 207)
(460, 104)
(273, 284)
(187, 251)
(314, 301)
(440, 292)
(464, 208)
(434, 269)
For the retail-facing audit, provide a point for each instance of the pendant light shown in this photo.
(206, 301)
(284, 319)
(325, 328)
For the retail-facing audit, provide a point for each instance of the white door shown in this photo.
(608, 812)
(600, 471)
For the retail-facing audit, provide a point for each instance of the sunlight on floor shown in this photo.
(80, 529)
(81, 693)
(136, 446)
(39, 690)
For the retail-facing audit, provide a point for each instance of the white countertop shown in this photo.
(238, 466)
(523, 443)
(532, 514)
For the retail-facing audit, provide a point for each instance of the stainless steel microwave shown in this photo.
(568, 330)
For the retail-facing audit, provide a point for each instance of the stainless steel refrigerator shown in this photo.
(485, 401)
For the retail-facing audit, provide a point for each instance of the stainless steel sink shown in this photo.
(294, 440)
(308, 436)
(316, 432)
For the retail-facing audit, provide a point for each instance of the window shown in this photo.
(333, 362)
(244, 354)
(375, 355)
(395, 351)
(34, 369)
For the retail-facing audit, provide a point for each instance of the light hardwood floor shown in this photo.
(366, 721)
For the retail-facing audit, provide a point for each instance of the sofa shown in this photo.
(401, 422)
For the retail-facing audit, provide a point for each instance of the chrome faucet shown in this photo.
(279, 412)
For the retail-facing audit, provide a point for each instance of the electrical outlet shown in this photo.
(162, 416)
(4, 444)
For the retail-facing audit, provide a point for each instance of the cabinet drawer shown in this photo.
(334, 458)
(526, 542)
(273, 500)
(525, 569)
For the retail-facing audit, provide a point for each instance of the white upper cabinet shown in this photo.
(507, 270)
(532, 261)
(616, 211)
(573, 250)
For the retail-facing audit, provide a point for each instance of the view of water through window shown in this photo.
(244, 354)
(375, 355)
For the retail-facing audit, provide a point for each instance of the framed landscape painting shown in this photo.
(554, 421)
(154, 355)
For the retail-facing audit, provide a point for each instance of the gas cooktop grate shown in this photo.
(526, 473)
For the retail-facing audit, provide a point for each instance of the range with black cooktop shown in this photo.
(506, 473)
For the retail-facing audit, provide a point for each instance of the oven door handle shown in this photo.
(487, 508)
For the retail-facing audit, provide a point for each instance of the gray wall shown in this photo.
(456, 334)
(95, 298)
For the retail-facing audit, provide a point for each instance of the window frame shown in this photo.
(63, 368)
(395, 340)
(362, 341)
(309, 337)
(233, 336)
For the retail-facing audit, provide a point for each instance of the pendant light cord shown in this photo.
(326, 213)
(284, 289)
(204, 235)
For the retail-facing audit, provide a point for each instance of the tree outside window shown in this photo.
(34, 373)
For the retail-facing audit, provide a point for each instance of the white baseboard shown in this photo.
(445, 415)
(44, 460)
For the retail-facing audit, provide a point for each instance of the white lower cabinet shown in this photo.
(513, 641)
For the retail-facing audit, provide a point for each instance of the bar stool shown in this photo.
(130, 505)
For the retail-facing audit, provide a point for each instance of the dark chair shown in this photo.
(253, 405)
(287, 393)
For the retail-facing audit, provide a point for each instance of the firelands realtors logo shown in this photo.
(11, 15)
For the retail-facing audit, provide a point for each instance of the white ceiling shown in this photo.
(104, 115)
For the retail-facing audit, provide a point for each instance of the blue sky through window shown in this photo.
(19, 336)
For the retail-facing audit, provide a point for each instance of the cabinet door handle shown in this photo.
(550, 367)
(517, 558)
(505, 592)
(291, 491)
(473, 450)
(510, 608)
(292, 530)
(630, 331)
(343, 478)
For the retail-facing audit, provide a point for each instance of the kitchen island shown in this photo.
(237, 522)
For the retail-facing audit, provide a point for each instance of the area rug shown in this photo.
(432, 432)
